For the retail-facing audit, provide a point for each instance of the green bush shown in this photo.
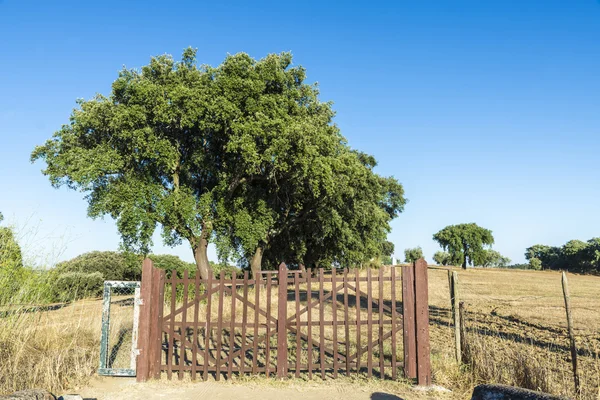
(112, 265)
(172, 263)
(77, 285)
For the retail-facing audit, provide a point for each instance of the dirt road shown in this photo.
(128, 389)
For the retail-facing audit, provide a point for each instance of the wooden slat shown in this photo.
(393, 295)
(309, 321)
(408, 322)
(268, 346)
(170, 350)
(358, 333)
(298, 341)
(346, 325)
(422, 323)
(244, 321)
(380, 324)
(314, 304)
(255, 334)
(195, 334)
(220, 327)
(208, 330)
(183, 328)
(322, 330)
(334, 314)
(232, 327)
(369, 324)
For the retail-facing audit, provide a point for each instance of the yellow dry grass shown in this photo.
(516, 334)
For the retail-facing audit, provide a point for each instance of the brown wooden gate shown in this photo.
(286, 323)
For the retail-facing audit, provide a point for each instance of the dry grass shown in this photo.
(56, 350)
(517, 331)
(516, 334)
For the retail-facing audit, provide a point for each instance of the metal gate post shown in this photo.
(282, 356)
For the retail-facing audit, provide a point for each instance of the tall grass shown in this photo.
(40, 345)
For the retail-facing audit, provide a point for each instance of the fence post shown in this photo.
(565, 287)
(454, 299)
(144, 345)
(408, 321)
(422, 323)
(281, 322)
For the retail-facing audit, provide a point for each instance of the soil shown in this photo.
(128, 389)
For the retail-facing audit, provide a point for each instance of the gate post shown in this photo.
(408, 321)
(144, 344)
(282, 357)
(422, 323)
(415, 307)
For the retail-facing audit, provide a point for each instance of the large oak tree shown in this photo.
(243, 154)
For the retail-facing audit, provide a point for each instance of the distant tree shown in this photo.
(442, 258)
(593, 254)
(535, 263)
(111, 265)
(549, 257)
(412, 255)
(492, 258)
(10, 251)
(465, 242)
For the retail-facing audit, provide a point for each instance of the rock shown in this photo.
(503, 392)
(29, 394)
(70, 397)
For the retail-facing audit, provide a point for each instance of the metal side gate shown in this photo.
(120, 316)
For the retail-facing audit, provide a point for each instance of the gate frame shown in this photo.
(104, 369)
(415, 322)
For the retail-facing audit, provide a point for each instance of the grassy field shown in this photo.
(516, 334)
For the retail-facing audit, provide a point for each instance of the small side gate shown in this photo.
(286, 323)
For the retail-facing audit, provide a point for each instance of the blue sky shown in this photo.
(486, 111)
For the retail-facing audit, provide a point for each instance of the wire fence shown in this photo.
(516, 327)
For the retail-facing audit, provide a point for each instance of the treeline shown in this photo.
(80, 277)
(574, 256)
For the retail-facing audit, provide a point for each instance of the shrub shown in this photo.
(112, 265)
(412, 255)
(170, 263)
(77, 285)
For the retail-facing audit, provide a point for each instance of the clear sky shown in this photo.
(486, 111)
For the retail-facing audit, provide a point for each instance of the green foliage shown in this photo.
(465, 243)
(535, 263)
(112, 265)
(243, 154)
(574, 256)
(442, 258)
(228, 271)
(76, 285)
(412, 255)
(169, 263)
(492, 258)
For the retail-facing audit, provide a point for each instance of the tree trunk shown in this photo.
(256, 262)
(200, 248)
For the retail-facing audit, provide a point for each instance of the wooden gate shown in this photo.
(285, 323)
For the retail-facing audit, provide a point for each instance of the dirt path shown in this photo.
(128, 389)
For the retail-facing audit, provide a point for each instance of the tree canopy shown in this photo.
(10, 251)
(243, 154)
(442, 258)
(492, 258)
(465, 243)
(412, 255)
(575, 256)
